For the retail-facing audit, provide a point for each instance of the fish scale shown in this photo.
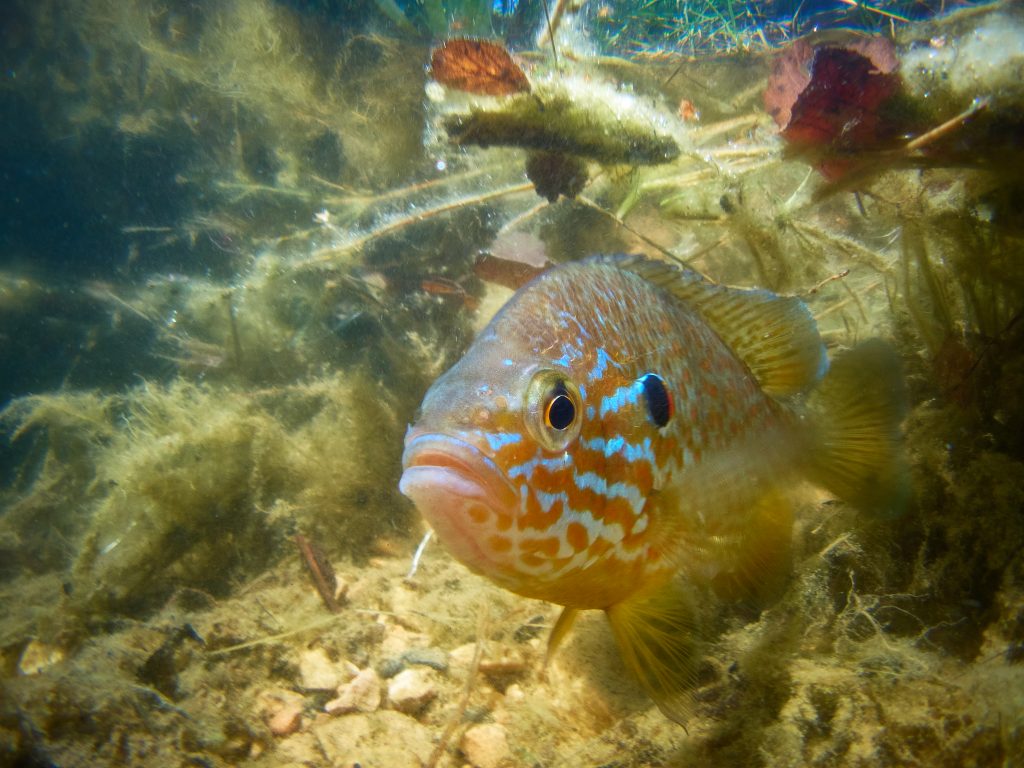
(621, 422)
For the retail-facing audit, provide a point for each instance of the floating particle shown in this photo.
(687, 112)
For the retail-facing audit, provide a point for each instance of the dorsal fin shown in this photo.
(775, 336)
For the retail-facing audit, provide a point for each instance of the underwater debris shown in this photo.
(512, 260)
(857, 105)
(509, 273)
(838, 100)
(477, 66)
(320, 570)
(573, 116)
(443, 286)
(556, 173)
(793, 70)
(687, 112)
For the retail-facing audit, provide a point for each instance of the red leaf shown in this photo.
(477, 66)
(841, 107)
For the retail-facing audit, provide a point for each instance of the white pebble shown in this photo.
(361, 694)
(486, 746)
(410, 691)
(317, 672)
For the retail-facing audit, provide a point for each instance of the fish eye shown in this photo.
(552, 410)
(560, 411)
(659, 400)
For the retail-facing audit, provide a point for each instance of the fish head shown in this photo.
(533, 457)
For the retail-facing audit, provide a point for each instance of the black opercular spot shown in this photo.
(659, 399)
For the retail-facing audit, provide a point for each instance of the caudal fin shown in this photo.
(856, 448)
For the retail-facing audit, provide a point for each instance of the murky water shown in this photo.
(242, 239)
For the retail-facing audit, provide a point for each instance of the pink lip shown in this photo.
(468, 472)
(451, 482)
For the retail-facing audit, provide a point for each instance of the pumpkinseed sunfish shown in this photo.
(622, 424)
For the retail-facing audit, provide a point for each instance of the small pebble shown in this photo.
(287, 720)
(515, 692)
(435, 658)
(38, 656)
(486, 746)
(530, 629)
(411, 691)
(463, 655)
(317, 672)
(361, 694)
(398, 639)
(475, 713)
(390, 667)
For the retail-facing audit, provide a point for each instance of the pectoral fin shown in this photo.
(753, 558)
(656, 636)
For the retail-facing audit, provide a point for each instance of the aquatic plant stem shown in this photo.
(660, 248)
(325, 256)
(559, 8)
(236, 339)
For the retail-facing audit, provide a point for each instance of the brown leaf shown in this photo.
(477, 66)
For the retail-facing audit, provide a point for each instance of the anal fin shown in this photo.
(655, 633)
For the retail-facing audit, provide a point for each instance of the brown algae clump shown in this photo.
(573, 116)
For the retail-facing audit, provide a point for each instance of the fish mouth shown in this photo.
(459, 490)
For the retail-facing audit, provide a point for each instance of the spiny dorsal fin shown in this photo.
(775, 336)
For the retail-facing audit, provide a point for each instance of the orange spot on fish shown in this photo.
(546, 547)
(537, 518)
(478, 514)
(577, 536)
(549, 481)
(500, 544)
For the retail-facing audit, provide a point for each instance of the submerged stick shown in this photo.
(456, 717)
(320, 569)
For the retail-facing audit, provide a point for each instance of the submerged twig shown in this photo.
(418, 554)
(320, 568)
(838, 276)
(326, 255)
(467, 690)
(660, 248)
(947, 127)
(268, 639)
